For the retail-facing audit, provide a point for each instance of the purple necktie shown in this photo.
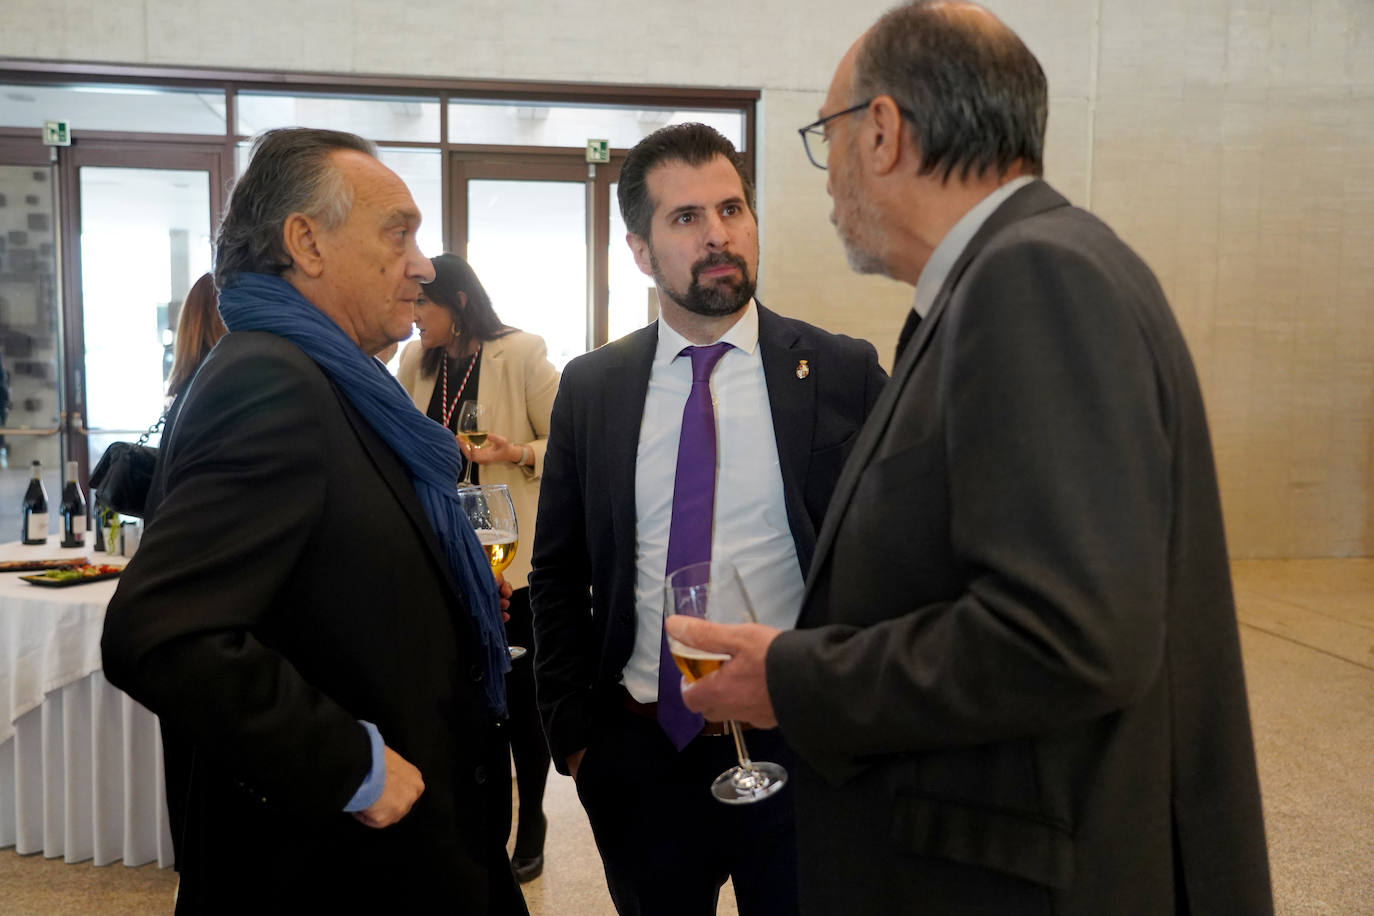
(689, 536)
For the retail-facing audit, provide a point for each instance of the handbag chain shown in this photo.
(155, 428)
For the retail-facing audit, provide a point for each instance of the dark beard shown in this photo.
(720, 298)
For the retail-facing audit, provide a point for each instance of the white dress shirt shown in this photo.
(946, 253)
(750, 527)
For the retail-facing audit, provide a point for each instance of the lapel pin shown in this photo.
(803, 370)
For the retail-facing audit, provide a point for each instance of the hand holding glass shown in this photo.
(492, 514)
(713, 591)
(472, 429)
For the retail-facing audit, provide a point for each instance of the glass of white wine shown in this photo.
(492, 514)
(472, 429)
(714, 591)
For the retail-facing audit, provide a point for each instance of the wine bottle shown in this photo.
(35, 509)
(73, 510)
(99, 525)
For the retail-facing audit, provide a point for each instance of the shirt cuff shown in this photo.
(372, 786)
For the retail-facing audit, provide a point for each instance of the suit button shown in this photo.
(480, 775)
(477, 674)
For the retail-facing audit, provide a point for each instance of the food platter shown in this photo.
(73, 575)
(7, 566)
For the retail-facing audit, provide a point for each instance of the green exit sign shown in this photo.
(57, 133)
(598, 151)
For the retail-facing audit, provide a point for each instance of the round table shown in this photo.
(80, 762)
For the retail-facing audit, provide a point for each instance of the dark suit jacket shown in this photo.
(1016, 683)
(288, 586)
(586, 538)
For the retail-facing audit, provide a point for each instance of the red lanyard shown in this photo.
(444, 406)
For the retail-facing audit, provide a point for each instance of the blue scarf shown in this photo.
(258, 302)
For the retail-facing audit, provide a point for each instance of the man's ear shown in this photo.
(639, 247)
(300, 236)
(886, 138)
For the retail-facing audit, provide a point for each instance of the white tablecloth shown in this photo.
(80, 762)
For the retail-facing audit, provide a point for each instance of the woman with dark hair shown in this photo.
(199, 328)
(465, 353)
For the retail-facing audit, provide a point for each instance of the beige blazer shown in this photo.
(518, 383)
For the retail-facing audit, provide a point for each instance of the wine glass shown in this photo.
(492, 514)
(472, 429)
(714, 591)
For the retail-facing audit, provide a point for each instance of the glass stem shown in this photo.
(740, 751)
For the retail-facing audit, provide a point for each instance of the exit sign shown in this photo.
(57, 133)
(598, 151)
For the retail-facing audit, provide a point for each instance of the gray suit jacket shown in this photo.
(1016, 685)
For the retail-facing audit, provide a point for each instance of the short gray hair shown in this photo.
(975, 95)
(289, 172)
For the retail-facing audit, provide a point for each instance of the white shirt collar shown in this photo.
(946, 253)
(743, 335)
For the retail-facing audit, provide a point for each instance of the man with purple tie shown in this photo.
(717, 432)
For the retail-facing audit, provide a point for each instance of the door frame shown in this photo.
(112, 153)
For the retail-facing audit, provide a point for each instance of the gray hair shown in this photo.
(975, 95)
(289, 172)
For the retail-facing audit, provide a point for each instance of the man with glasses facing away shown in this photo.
(620, 491)
(1015, 686)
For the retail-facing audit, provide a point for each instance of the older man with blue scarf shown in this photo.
(309, 614)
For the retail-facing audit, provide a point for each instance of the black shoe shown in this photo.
(528, 860)
(526, 870)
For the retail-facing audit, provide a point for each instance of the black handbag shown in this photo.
(123, 474)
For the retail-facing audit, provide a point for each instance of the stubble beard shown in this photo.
(861, 260)
(863, 257)
(713, 300)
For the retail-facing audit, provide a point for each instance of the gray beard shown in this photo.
(861, 260)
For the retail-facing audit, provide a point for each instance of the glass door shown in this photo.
(145, 238)
(509, 224)
(144, 220)
(534, 227)
(31, 415)
(633, 298)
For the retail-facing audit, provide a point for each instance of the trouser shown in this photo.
(527, 742)
(667, 845)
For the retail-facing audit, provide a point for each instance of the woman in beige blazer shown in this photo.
(465, 353)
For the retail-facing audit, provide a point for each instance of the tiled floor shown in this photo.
(1307, 634)
(573, 883)
(1307, 631)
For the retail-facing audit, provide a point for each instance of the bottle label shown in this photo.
(72, 533)
(38, 526)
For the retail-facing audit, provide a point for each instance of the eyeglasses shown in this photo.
(815, 133)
